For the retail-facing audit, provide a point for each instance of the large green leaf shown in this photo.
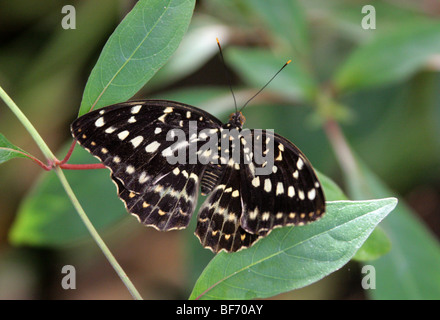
(389, 57)
(141, 44)
(293, 257)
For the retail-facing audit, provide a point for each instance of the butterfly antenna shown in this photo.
(226, 73)
(266, 84)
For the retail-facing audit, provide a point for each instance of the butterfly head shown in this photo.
(237, 119)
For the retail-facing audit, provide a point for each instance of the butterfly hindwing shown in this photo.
(218, 222)
(289, 192)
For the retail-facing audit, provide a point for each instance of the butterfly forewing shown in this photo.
(131, 139)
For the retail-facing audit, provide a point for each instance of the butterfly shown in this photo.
(161, 152)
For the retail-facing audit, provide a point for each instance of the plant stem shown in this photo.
(347, 161)
(87, 166)
(105, 250)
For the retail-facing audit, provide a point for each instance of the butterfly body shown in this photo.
(160, 152)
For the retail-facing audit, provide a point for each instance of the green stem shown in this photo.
(105, 250)
(51, 157)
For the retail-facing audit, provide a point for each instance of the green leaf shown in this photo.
(286, 21)
(390, 57)
(141, 44)
(376, 246)
(411, 269)
(293, 257)
(196, 49)
(46, 216)
(9, 151)
(257, 66)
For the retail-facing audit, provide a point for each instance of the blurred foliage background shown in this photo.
(381, 87)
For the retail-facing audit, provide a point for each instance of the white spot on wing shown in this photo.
(300, 164)
(110, 130)
(123, 134)
(162, 118)
(267, 185)
(132, 120)
(311, 194)
(256, 182)
(136, 109)
(291, 191)
(280, 188)
(100, 122)
(137, 141)
(167, 152)
(152, 147)
(143, 177)
(295, 174)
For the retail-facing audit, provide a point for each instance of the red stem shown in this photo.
(62, 164)
(82, 166)
(69, 153)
